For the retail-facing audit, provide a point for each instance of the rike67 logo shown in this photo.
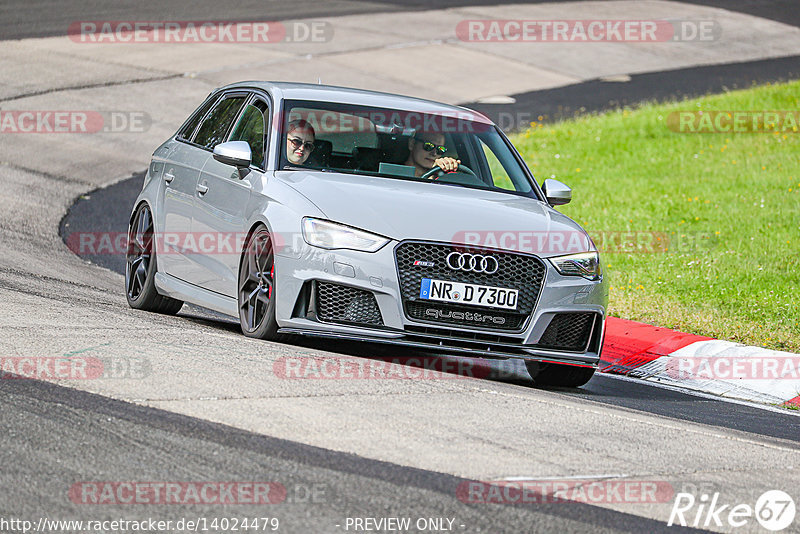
(774, 510)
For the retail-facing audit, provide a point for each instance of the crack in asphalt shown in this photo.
(91, 86)
(58, 297)
(46, 278)
(44, 174)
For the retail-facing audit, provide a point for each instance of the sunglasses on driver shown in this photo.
(441, 150)
(297, 143)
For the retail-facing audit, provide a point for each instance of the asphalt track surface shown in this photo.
(43, 18)
(323, 487)
(115, 440)
(601, 95)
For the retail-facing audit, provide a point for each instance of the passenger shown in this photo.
(299, 141)
(425, 152)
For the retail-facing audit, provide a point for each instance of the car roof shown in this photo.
(349, 95)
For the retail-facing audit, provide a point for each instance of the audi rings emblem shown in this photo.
(474, 263)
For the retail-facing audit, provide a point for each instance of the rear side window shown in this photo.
(189, 128)
(218, 122)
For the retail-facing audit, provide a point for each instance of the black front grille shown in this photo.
(515, 271)
(459, 335)
(342, 304)
(568, 331)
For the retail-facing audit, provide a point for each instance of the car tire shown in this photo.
(256, 287)
(566, 376)
(141, 267)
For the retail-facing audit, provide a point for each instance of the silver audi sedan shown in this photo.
(311, 210)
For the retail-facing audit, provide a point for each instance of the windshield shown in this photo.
(401, 145)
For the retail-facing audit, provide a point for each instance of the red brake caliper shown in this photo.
(271, 275)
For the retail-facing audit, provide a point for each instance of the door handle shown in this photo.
(168, 177)
(202, 189)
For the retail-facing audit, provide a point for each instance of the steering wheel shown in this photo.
(438, 171)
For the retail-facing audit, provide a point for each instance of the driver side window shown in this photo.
(252, 128)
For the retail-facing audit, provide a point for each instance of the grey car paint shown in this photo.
(204, 195)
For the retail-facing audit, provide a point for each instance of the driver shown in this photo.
(425, 152)
(299, 141)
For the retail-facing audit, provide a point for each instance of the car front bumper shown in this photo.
(300, 272)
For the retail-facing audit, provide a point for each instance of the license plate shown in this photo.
(474, 294)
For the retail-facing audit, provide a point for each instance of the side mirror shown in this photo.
(556, 193)
(236, 153)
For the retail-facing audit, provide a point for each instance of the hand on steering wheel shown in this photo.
(446, 165)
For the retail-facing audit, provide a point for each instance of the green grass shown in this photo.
(729, 205)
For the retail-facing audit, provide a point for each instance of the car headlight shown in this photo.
(326, 234)
(585, 264)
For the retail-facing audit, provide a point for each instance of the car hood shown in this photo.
(403, 209)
